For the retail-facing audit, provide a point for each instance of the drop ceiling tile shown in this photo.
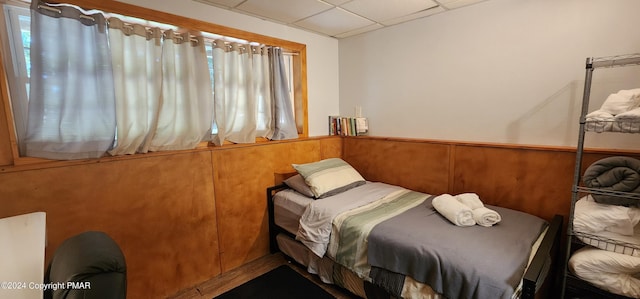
(334, 21)
(339, 18)
(337, 2)
(359, 31)
(414, 16)
(451, 4)
(224, 3)
(286, 11)
(380, 11)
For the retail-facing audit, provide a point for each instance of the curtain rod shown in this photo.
(129, 24)
(53, 9)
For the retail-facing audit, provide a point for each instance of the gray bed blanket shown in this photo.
(459, 262)
(616, 173)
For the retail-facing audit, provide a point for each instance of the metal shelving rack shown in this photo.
(569, 281)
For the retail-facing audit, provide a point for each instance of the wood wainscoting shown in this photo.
(182, 218)
(241, 178)
(159, 209)
(532, 179)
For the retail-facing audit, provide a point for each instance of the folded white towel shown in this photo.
(471, 200)
(486, 217)
(456, 212)
(599, 121)
(600, 115)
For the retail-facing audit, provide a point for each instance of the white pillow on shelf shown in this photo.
(622, 101)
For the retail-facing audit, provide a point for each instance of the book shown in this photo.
(348, 126)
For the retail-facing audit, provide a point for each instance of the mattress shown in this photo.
(289, 205)
(288, 208)
(325, 268)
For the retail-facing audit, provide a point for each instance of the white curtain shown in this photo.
(262, 87)
(71, 111)
(251, 94)
(186, 109)
(129, 89)
(284, 123)
(137, 70)
(234, 93)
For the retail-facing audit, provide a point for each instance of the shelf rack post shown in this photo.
(578, 166)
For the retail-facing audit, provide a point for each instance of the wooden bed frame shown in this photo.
(541, 271)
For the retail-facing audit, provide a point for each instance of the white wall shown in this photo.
(507, 71)
(322, 52)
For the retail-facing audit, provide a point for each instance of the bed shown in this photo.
(373, 238)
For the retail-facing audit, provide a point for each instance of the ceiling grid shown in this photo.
(339, 18)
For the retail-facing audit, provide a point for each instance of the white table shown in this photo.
(22, 242)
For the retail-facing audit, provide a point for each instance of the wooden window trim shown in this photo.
(299, 63)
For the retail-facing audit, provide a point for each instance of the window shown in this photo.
(17, 22)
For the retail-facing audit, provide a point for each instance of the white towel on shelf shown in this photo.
(599, 121)
(455, 211)
(627, 122)
(471, 200)
(600, 115)
(486, 217)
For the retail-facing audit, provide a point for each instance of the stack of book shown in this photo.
(348, 126)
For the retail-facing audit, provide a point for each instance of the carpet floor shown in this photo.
(281, 283)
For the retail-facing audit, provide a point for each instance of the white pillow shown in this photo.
(610, 271)
(329, 177)
(622, 101)
(592, 217)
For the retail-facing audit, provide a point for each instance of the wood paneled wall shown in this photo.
(532, 179)
(241, 178)
(420, 166)
(536, 181)
(180, 218)
(160, 210)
